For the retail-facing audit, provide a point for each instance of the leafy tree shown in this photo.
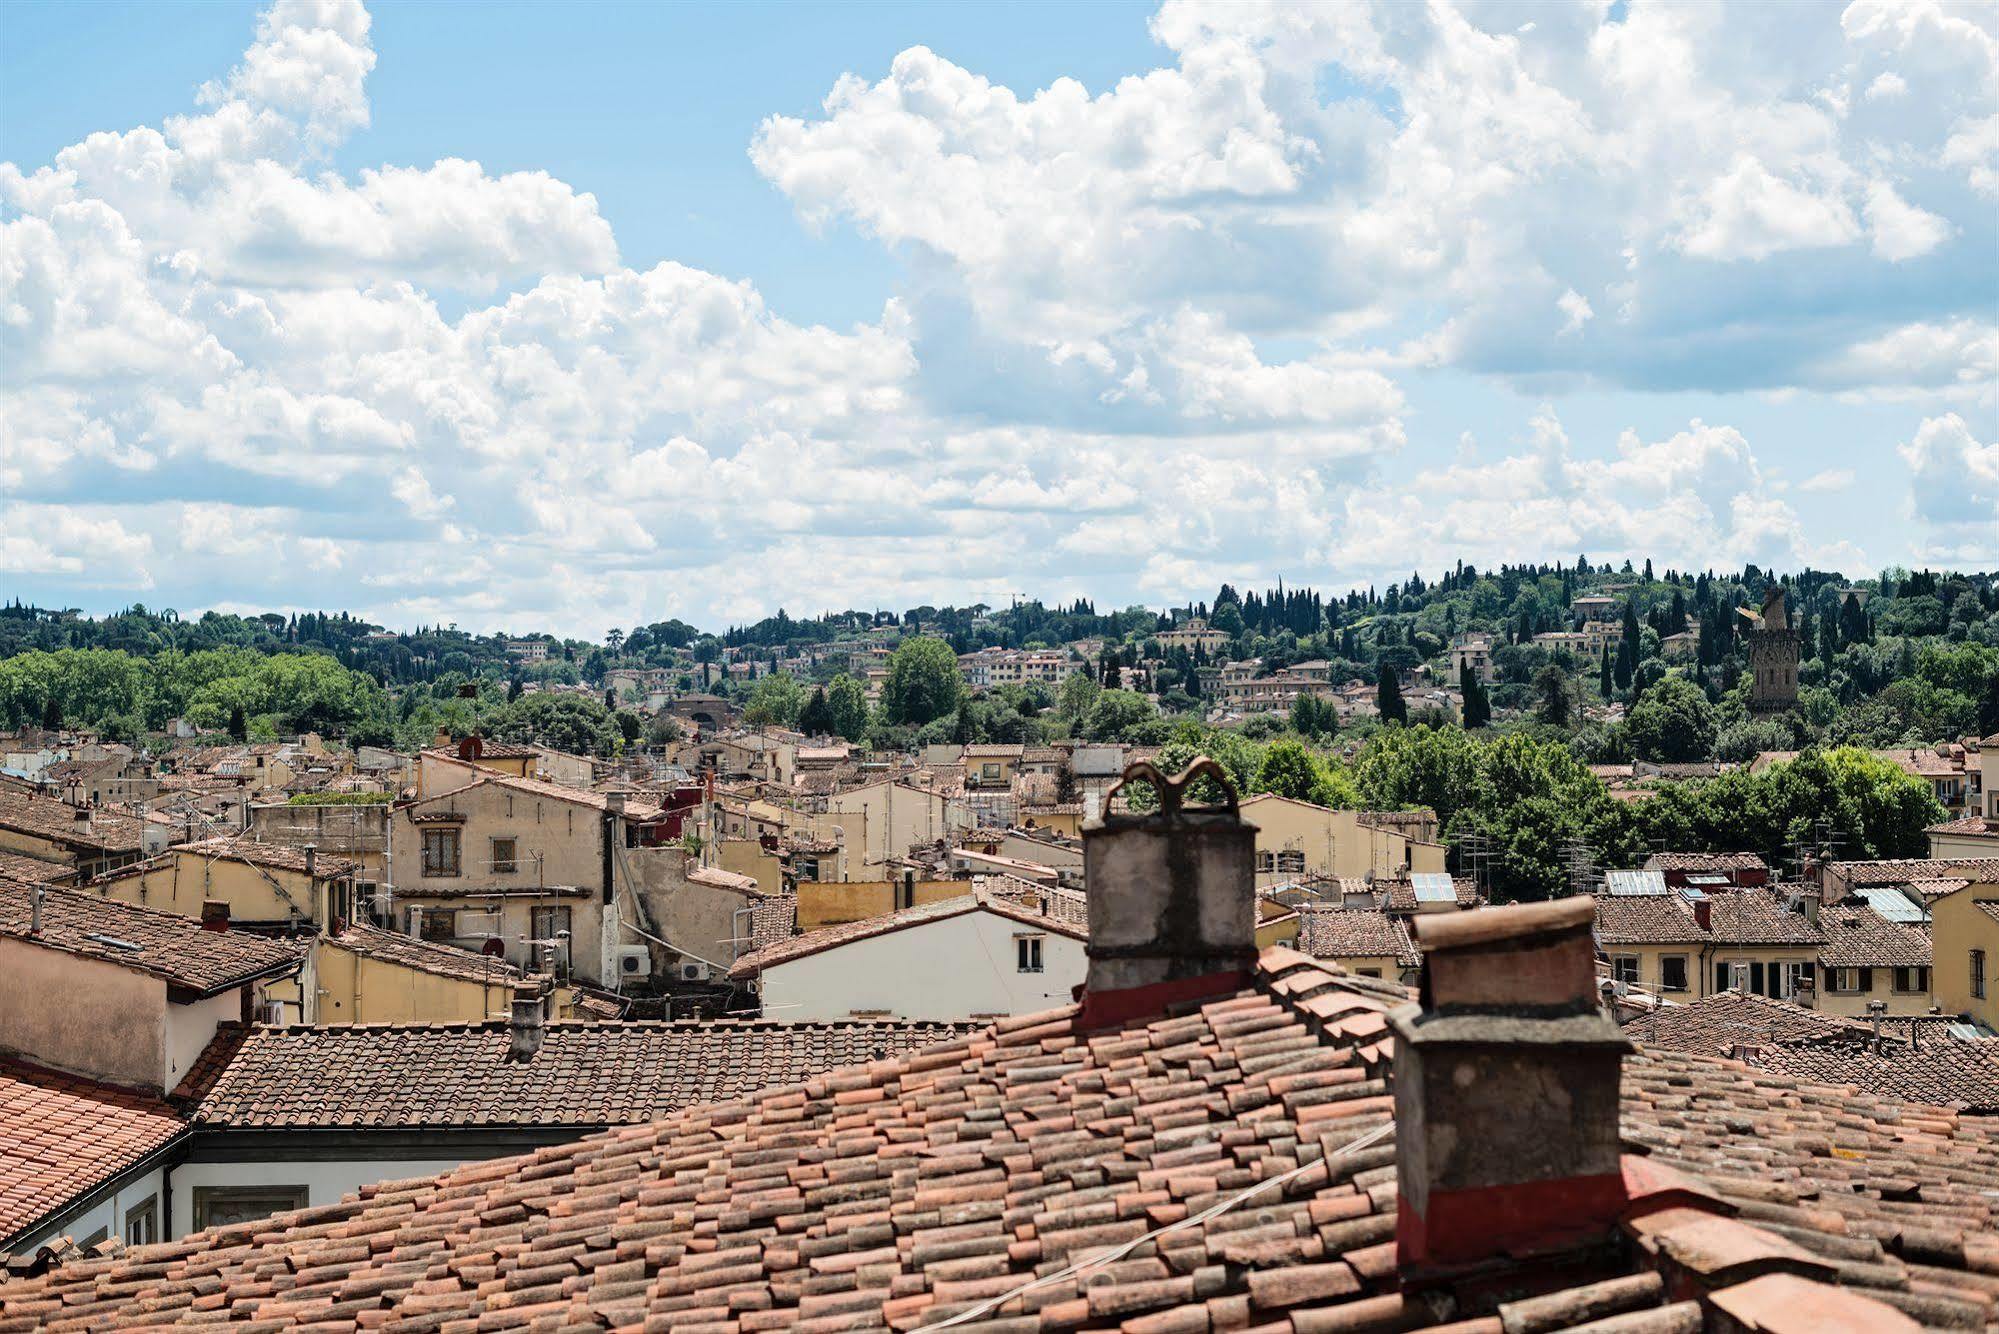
(628, 725)
(816, 718)
(1290, 770)
(1116, 715)
(1076, 696)
(579, 724)
(1388, 699)
(1673, 723)
(847, 703)
(774, 701)
(923, 681)
(1553, 704)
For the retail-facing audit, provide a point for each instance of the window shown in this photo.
(545, 923)
(506, 856)
(1367, 972)
(1624, 968)
(440, 852)
(1912, 979)
(218, 1206)
(1851, 980)
(1673, 972)
(1291, 861)
(989, 771)
(142, 1222)
(1797, 977)
(438, 923)
(1978, 974)
(1027, 949)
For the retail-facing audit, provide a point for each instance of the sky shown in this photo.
(566, 317)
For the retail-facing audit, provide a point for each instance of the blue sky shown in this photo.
(573, 316)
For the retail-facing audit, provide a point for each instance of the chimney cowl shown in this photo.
(1507, 1090)
(1172, 902)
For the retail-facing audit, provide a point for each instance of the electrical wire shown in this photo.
(1215, 1210)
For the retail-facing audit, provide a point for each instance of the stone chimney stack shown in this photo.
(524, 1024)
(1507, 1085)
(1172, 899)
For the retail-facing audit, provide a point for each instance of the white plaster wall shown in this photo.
(325, 1182)
(189, 1028)
(950, 969)
(108, 1214)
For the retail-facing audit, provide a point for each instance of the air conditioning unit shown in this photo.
(693, 972)
(634, 962)
(271, 1012)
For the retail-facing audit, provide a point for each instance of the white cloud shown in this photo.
(1828, 481)
(1954, 486)
(1900, 229)
(1163, 332)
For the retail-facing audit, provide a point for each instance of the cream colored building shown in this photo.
(1683, 947)
(368, 976)
(259, 884)
(1964, 925)
(883, 821)
(1297, 838)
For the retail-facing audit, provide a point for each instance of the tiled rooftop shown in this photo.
(426, 956)
(1736, 917)
(1705, 861)
(46, 817)
(275, 856)
(146, 940)
(1715, 1024)
(1856, 936)
(1756, 917)
(585, 1074)
(32, 870)
(61, 1136)
(1354, 933)
(1945, 1074)
(1112, 1171)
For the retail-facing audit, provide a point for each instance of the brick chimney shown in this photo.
(1172, 899)
(1507, 1079)
(214, 915)
(524, 1024)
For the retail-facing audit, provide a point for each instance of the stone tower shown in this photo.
(1773, 655)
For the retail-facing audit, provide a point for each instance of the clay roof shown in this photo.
(587, 1073)
(979, 898)
(1705, 861)
(1646, 919)
(717, 878)
(425, 956)
(995, 750)
(488, 750)
(276, 856)
(45, 817)
(1971, 826)
(1108, 1168)
(634, 810)
(62, 1136)
(772, 918)
(1716, 1024)
(1856, 936)
(145, 940)
(33, 870)
(1350, 933)
(1909, 870)
(1943, 1074)
(1755, 917)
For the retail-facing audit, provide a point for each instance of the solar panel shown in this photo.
(1635, 884)
(1433, 887)
(1708, 878)
(1892, 904)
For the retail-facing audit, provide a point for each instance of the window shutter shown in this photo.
(1721, 977)
(1756, 978)
(1866, 979)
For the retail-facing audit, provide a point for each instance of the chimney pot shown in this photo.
(1172, 900)
(1507, 1089)
(524, 1024)
(35, 901)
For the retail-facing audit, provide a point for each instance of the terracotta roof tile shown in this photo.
(1856, 936)
(1944, 1074)
(62, 1136)
(909, 1190)
(45, 817)
(1705, 861)
(425, 956)
(585, 1074)
(1350, 933)
(146, 940)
